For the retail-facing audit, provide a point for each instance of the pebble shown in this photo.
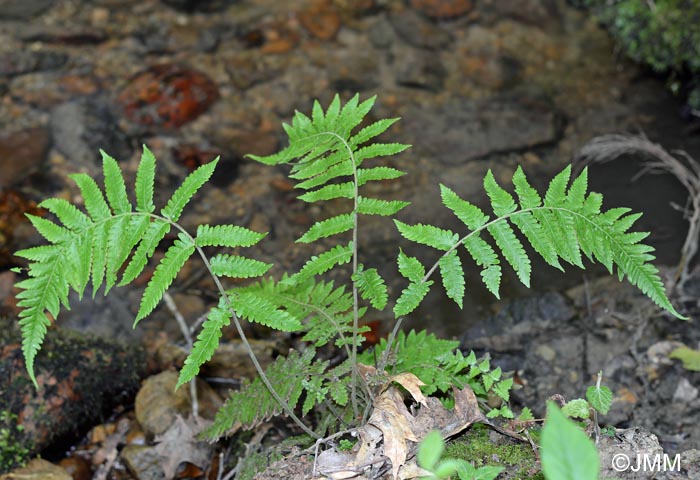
(17, 62)
(80, 128)
(443, 9)
(21, 153)
(77, 467)
(23, 9)
(38, 469)
(321, 19)
(419, 32)
(158, 403)
(167, 95)
(143, 462)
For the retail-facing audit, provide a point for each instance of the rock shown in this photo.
(21, 153)
(246, 68)
(463, 130)
(167, 95)
(204, 6)
(158, 404)
(38, 469)
(79, 378)
(321, 19)
(64, 36)
(18, 62)
(443, 9)
(419, 32)
(23, 9)
(143, 462)
(82, 127)
(627, 445)
(15, 229)
(419, 69)
(381, 34)
(77, 467)
(353, 71)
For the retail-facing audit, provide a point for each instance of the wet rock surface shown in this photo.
(479, 84)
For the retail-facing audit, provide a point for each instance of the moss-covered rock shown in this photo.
(481, 446)
(79, 378)
(664, 34)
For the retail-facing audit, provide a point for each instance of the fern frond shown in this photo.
(155, 232)
(234, 266)
(44, 291)
(429, 235)
(226, 236)
(375, 206)
(67, 213)
(378, 150)
(371, 287)
(49, 230)
(512, 250)
(319, 264)
(371, 131)
(184, 193)
(258, 309)
(114, 185)
(501, 201)
(206, 343)
(469, 214)
(411, 297)
(145, 178)
(164, 274)
(566, 224)
(326, 228)
(92, 196)
(253, 403)
(329, 192)
(365, 175)
(410, 267)
(453, 276)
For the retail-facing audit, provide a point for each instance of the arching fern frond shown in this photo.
(566, 224)
(94, 247)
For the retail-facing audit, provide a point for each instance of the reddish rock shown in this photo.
(443, 9)
(13, 207)
(321, 19)
(21, 153)
(167, 95)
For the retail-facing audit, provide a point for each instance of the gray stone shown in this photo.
(23, 9)
(463, 130)
(419, 69)
(81, 128)
(419, 32)
(17, 62)
(143, 462)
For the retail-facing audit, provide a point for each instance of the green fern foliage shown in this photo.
(566, 224)
(206, 343)
(326, 159)
(253, 404)
(113, 237)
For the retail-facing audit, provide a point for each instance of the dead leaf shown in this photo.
(411, 383)
(180, 444)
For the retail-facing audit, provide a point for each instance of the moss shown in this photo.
(664, 35)
(12, 453)
(480, 446)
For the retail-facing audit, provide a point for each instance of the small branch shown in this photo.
(170, 303)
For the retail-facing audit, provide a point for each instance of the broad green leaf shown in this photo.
(566, 452)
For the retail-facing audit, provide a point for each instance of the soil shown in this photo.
(479, 85)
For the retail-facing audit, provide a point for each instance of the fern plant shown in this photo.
(329, 155)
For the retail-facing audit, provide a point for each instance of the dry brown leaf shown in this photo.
(411, 383)
(179, 444)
